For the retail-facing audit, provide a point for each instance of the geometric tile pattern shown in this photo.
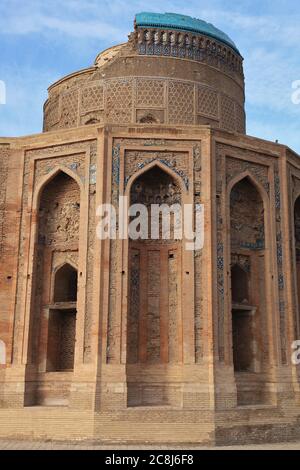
(119, 100)
(208, 103)
(239, 119)
(69, 109)
(150, 93)
(181, 103)
(227, 113)
(92, 98)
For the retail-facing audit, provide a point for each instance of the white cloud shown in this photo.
(26, 92)
(269, 78)
(281, 30)
(20, 25)
(286, 132)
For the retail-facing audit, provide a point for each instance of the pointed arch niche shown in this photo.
(62, 320)
(54, 287)
(297, 253)
(154, 295)
(248, 290)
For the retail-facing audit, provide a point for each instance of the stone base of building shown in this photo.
(163, 405)
(152, 425)
(258, 434)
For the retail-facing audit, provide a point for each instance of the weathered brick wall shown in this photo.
(293, 172)
(120, 88)
(58, 239)
(152, 100)
(247, 218)
(4, 156)
(4, 319)
(200, 396)
(157, 258)
(10, 176)
(58, 234)
(133, 162)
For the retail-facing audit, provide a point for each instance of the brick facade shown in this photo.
(144, 341)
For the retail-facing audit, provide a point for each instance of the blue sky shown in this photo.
(41, 41)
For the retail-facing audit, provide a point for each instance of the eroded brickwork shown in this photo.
(158, 314)
(4, 155)
(129, 100)
(247, 218)
(184, 346)
(181, 103)
(230, 166)
(121, 89)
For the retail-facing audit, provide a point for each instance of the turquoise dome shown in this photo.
(183, 23)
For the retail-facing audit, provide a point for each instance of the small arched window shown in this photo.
(148, 119)
(65, 284)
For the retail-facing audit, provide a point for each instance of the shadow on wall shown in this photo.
(2, 353)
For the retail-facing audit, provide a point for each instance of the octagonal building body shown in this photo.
(144, 340)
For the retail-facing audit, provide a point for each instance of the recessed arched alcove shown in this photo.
(248, 291)
(297, 253)
(154, 294)
(62, 320)
(55, 284)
